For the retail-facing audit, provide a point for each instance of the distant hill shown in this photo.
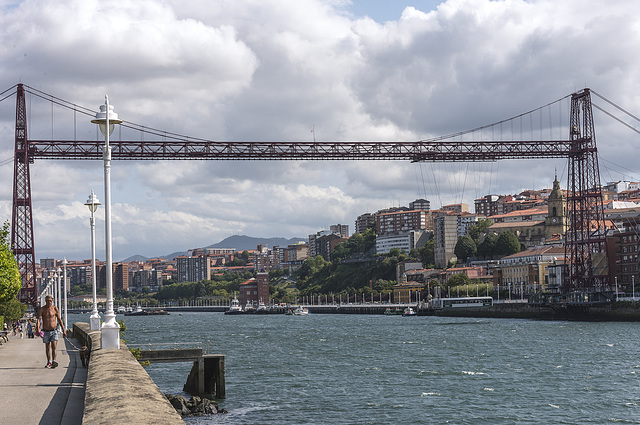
(135, 258)
(240, 243)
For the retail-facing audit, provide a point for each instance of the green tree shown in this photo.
(479, 228)
(507, 244)
(10, 280)
(487, 247)
(459, 279)
(425, 254)
(465, 248)
(12, 310)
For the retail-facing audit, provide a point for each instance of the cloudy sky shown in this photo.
(270, 70)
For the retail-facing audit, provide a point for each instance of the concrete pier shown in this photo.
(118, 389)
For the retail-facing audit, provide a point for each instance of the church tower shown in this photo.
(556, 221)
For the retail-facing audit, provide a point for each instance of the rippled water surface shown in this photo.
(364, 369)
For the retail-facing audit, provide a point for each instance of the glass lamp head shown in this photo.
(92, 202)
(101, 119)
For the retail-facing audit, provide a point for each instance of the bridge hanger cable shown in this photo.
(462, 133)
(163, 134)
(616, 118)
(10, 94)
(614, 105)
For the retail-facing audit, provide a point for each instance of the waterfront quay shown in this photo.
(30, 393)
(114, 389)
(624, 310)
(501, 309)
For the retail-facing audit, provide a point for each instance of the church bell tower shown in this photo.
(556, 221)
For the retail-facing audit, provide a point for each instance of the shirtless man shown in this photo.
(50, 319)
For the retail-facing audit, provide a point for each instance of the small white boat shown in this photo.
(300, 311)
(122, 310)
(409, 312)
(262, 308)
(235, 307)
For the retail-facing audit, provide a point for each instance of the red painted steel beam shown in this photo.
(436, 151)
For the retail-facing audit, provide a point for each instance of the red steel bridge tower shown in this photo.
(586, 270)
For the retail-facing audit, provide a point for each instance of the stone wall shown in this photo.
(118, 389)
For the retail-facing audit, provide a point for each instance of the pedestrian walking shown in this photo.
(29, 328)
(50, 317)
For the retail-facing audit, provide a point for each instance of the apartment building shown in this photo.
(527, 271)
(420, 204)
(445, 237)
(193, 269)
(119, 274)
(405, 241)
(265, 259)
(363, 222)
(622, 247)
(341, 230)
(402, 222)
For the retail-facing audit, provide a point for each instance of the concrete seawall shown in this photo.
(118, 389)
(612, 312)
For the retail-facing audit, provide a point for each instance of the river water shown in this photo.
(375, 369)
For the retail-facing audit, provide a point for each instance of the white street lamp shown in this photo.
(93, 203)
(64, 274)
(106, 119)
(59, 301)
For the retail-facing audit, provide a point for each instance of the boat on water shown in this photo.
(393, 312)
(249, 308)
(409, 312)
(139, 311)
(261, 308)
(122, 310)
(235, 307)
(300, 311)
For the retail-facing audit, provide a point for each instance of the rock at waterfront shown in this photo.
(195, 406)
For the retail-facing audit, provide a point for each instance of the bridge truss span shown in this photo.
(421, 151)
(585, 250)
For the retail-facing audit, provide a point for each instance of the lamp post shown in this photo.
(64, 277)
(106, 118)
(93, 203)
(58, 274)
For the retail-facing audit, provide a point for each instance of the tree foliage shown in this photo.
(352, 269)
(12, 310)
(10, 281)
(487, 247)
(465, 248)
(507, 244)
(479, 228)
(458, 280)
(220, 286)
(425, 254)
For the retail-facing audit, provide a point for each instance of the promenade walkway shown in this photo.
(30, 393)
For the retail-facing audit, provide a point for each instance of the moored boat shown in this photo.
(301, 311)
(409, 312)
(139, 311)
(234, 307)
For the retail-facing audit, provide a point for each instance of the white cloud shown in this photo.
(266, 70)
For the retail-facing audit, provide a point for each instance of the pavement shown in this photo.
(33, 394)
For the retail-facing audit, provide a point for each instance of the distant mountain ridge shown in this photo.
(239, 242)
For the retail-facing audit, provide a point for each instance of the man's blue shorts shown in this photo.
(50, 336)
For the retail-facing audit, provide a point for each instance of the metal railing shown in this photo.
(172, 346)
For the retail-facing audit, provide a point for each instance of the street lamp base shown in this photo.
(94, 321)
(110, 334)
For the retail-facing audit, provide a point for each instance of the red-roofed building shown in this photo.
(255, 290)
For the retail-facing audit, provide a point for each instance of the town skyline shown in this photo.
(408, 71)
